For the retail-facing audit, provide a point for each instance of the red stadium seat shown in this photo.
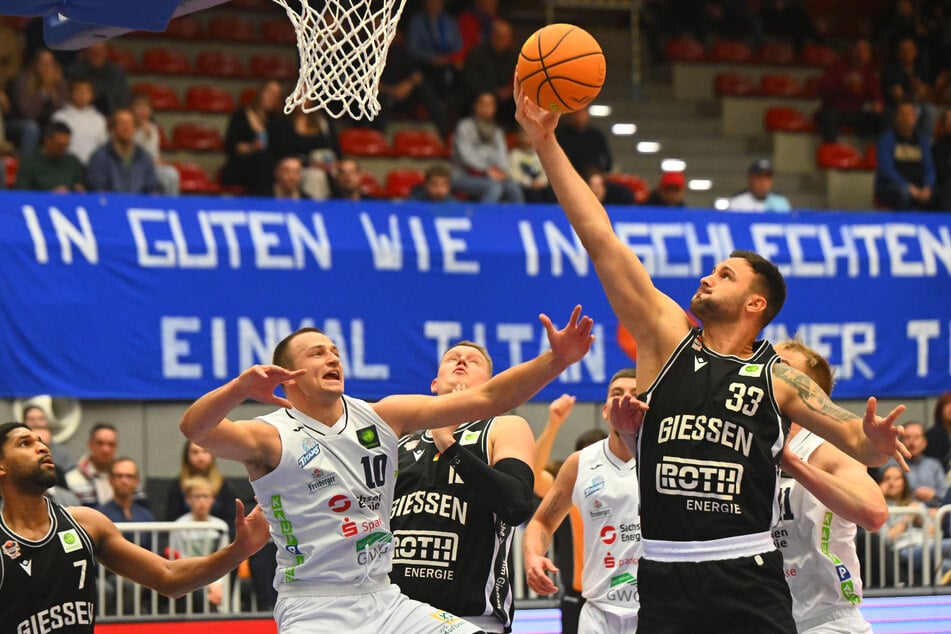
(817, 55)
(274, 66)
(199, 137)
(731, 51)
(209, 99)
(10, 168)
(779, 53)
(839, 156)
(219, 64)
(248, 95)
(279, 31)
(232, 29)
(123, 58)
(194, 180)
(363, 142)
(370, 186)
(400, 182)
(733, 84)
(418, 144)
(784, 118)
(185, 28)
(777, 85)
(636, 184)
(165, 61)
(685, 49)
(163, 97)
(871, 156)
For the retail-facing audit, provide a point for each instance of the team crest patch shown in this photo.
(11, 549)
(368, 437)
(70, 540)
(311, 450)
(751, 369)
(469, 437)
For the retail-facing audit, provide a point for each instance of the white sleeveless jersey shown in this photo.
(328, 501)
(607, 497)
(822, 567)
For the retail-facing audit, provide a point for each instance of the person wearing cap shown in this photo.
(670, 191)
(759, 194)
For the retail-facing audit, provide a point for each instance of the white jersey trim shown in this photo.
(708, 550)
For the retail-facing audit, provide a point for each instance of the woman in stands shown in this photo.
(198, 462)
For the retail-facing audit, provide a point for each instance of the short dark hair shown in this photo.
(623, 373)
(56, 127)
(769, 282)
(437, 170)
(589, 438)
(100, 426)
(125, 459)
(5, 430)
(280, 356)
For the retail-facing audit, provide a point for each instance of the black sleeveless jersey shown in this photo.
(710, 445)
(449, 551)
(48, 586)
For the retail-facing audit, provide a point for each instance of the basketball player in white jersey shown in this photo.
(709, 447)
(823, 495)
(323, 469)
(601, 480)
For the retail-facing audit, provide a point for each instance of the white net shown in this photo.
(342, 46)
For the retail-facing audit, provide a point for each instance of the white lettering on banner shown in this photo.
(561, 247)
(452, 246)
(255, 339)
(67, 233)
(530, 247)
(922, 330)
(279, 240)
(656, 254)
(855, 340)
(387, 248)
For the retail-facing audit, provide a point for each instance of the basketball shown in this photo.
(561, 67)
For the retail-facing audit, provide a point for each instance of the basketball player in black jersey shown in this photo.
(708, 447)
(49, 554)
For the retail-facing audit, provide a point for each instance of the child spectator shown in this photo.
(525, 168)
(437, 186)
(88, 125)
(198, 542)
(196, 462)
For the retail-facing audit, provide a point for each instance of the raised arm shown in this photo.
(541, 529)
(558, 413)
(181, 576)
(871, 440)
(655, 320)
(504, 391)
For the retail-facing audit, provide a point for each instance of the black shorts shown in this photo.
(744, 595)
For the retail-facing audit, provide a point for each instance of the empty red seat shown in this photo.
(839, 156)
(165, 61)
(417, 144)
(636, 184)
(685, 49)
(219, 64)
(124, 58)
(370, 186)
(363, 142)
(731, 51)
(279, 31)
(817, 55)
(209, 99)
(787, 119)
(232, 29)
(248, 95)
(733, 84)
(776, 53)
(185, 28)
(199, 137)
(400, 182)
(162, 96)
(10, 168)
(778, 85)
(274, 66)
(194, 179)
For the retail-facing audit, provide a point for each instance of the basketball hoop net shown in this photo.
(342, 46)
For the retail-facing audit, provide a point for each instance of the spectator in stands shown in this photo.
(901, 21)
(89, 479)
(149, 137)
(196, 462)
(585, 145)
(476, 23)
(905, 175)
(11, 54)
(927, 478)
(52, 168)
(312, 136)
(759, 194)
(903, 532)
(851, 93)
(346, 182)
(287, 179)
(480, 156)
(526, 169)
(121, 164)
(250, 159)
(36, 92)
(608, 193)
(941, 157)
(939, 434)
(35, 418)
(434, 42)
(109, 81)
(436, 187)
(488, 68)
(908, 79)
(88, 126)
(670, 191)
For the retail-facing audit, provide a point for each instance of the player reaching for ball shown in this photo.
(561, 67)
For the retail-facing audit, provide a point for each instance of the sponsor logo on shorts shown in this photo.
(445, 617)
(70, 540)
(368, 437)
(311, 450)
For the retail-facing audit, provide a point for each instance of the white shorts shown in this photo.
(844, 621)
(594, 620)
(385, 611)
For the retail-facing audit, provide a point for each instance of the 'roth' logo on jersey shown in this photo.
(699, 478)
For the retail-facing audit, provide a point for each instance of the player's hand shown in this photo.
(536, 569)
(560, 409)
(214, 594)
(259, 382)
(537, 122)
(627, 417)
(251, 532)
(573, 341)
(883, 434)
(442, 437)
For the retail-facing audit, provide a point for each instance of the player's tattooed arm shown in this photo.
(552, 512)
(811, 394)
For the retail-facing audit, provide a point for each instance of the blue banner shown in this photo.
(121, 297)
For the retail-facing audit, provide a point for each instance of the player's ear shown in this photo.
(756, 303)
(432, 386)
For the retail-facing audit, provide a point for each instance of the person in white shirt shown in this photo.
(88, 125)
(759, 194)
(199, 542)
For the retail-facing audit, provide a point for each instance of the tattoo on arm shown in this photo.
(551, 509)
(811, 394)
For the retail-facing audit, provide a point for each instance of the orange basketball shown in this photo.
(561, 67)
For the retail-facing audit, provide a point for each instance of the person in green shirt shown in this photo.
(52, 168)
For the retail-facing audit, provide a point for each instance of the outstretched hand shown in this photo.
(560, 409)
(627, 417)
(536, 121)
(883, 434)
(536, 569)
(573, 341)
(251, 532)
(259, 382)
